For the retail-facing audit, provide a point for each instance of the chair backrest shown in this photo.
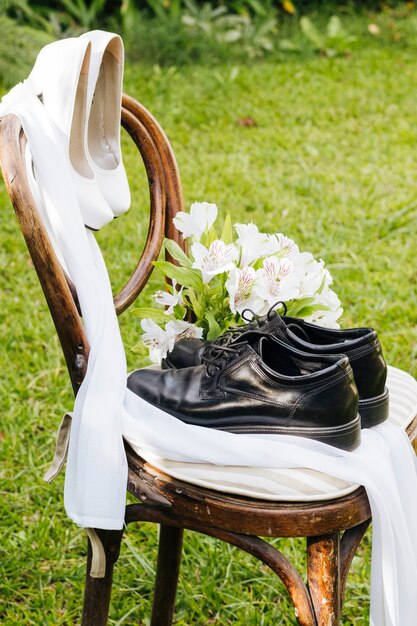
(165, 200)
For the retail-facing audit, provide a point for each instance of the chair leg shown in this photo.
(167, 572)
(323, 572)
(98, 590)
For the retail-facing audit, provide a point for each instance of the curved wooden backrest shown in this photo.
(165, 200)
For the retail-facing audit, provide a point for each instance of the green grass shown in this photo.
(332, 163)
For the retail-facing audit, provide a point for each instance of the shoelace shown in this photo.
(268, 315)
(220, 355)
(220, 352)
(234, 332)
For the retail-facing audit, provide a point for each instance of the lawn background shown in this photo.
(332, 163)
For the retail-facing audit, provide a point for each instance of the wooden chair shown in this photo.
(333, 529)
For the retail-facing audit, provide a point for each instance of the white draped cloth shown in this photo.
(105, 411)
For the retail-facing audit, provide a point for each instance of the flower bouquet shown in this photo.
(224, 274)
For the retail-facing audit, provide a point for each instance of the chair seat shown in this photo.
(286, 485)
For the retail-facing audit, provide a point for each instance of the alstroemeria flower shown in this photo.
(277, 281)
(314, 276)
(180, 329)
(156, 339)
(328, 319)
(286, 246)
(253, 244)
(331, 312)
(170, 300)
(330, 299)
(216, 259)
(239, 287)
(160, 341)
(201, 217)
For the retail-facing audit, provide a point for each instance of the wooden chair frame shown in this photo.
(333, 529)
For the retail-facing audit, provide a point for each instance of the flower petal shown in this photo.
(156, 339)
(205, 214)
(253, 244)
(239, 287)
(216, 259)
(168, 300)
(179, 329)
(201, 217)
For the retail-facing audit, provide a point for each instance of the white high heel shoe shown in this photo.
(104, 103)
(59, 78)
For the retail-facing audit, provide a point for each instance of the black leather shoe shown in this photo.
(260, 384)
(361, 345)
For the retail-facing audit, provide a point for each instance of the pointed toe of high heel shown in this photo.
(93, 206)
(115, 188)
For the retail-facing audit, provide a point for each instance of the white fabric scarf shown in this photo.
(96, 475)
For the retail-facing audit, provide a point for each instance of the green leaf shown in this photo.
(295, 306)
(157, 315)
(195, 304)
(184, 276)
(258, 263)
(177, 253)
(140, 349)
(227, 231)
(309, 310)
(214, 328)
(212, 236)
(180, 312)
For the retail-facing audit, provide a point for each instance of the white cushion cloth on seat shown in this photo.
(287, 485)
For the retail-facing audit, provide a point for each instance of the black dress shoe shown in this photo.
(260, 384)
(361, 345)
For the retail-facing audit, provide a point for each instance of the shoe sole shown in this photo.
(346, 437)
(374, 411)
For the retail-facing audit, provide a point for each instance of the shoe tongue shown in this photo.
(273, 324)
(269, 324)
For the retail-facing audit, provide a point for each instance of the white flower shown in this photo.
(201, 217)
(328, 319)
(315, 281)
(239, 287)
(286, 246)
(253, 244)
(180, 329)
(331, 309)
(314, 276)
(277, 281)
(214, 260)
(329, 298)
(156, 339)
(170, 300)
(160, 341)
